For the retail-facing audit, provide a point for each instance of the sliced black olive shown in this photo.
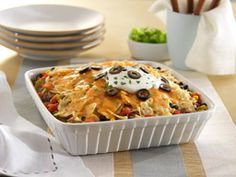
(144, 69)
(36, 77)
(96, 67)
(84, 69)
(163, 79)
(83, 118)
(173, 105)
(99, 76)
(39, 75)
(143, 94)
(181, 83)
(134, 74)
(184, 86)
(115, 69)
(204, 104)
(46, 97)
(52, 68)
(103, 118)
(112, 91)
(159, 68)
(165, 87)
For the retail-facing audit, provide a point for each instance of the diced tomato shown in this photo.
(196, 94)
(52, 107)
(126, 111)
(177, 112)
(48, 86)
(40, 94)
(148, 115)
(44, 76)
(174, 101)
(46, 104)
(54, 99)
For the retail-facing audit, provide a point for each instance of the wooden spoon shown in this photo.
(175, 6)
(199, 6)
(190, 4)
(214, 4)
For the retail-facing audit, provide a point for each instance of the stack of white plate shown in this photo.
(50, 32)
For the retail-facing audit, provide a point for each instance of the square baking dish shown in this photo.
(122, 135)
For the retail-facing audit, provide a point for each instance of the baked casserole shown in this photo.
(114, 90)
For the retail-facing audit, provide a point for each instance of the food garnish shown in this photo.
(115, 69)
(147, 35)
(143, 94)
(165, 87)
(112, 91)
(99, 76)
(134, 74)
(84, 69)
(96, 67)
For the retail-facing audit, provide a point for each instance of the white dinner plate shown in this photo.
(62, 38)
(51, 53)
(50, 19)
(54, 45)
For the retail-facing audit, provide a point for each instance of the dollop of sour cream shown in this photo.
(124, 82)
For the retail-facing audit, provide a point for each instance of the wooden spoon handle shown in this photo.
(199, 6)
(214, 4)
(190, 6)
(175, 6)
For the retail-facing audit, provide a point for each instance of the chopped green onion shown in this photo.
(148, 35)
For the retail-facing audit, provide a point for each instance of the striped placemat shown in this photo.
(205, 157)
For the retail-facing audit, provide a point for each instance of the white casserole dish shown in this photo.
(122, 135)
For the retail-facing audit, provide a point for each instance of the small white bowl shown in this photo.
(148, 51)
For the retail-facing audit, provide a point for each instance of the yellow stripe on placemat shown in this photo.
(192, 160)
(123, 164)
